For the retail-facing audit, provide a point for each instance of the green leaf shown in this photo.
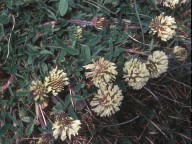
(78, 97)
(99, 49)
(49, 126)
(23, 112)
(4, 19)
(108, 56)
(72, 3)
(63, 7)
(26, 119)
(45, 52)
(14, 129)
(32, 49)
(67, 102)
(29, 129)
(17, 122)
(72, 113)
(121, 60)
(51, 15)
(79, 86)
(111, 48)
(3, 103)
(121, 39)
(152, 44)
(183, 22)
(57, 109)
(86, 54)
(122, 85)
(94, 41)
(9, 4)
(72, 51)
(43, 68)
(13, 70)
(4, 129)
(117, 52)
(60, 58)
(137, 14)
(22, 94)
(60, 43)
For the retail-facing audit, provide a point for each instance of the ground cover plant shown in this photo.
(95, 71)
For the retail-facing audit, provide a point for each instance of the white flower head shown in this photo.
(180, 53)
(107, 100)
(101, 71)
(38, 90)
(56, 80)
(65, 126)
(136, 73)
(170, 3)
(157, 63)
(78, 32)
(164, 26)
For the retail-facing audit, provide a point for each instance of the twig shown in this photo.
(9, 39)
(151, 93)
(158, 128)
(90, 112)
(52, 23)
(179, 103)
(143, 131)
(42, 115)
(80, 22)
(39, 115)
(149, 140)
(71, 93)
(137, 40)
(6, 85)
(89, 131)
(122, 122)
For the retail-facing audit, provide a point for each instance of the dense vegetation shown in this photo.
(111, 71)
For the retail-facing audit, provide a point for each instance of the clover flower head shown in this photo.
(38, 90)
(46, 139)
(136, 73)
(56, 80)
(164, 26)
(101, 71)
(180, 53)
(99, 22)
(107, 100)
(78, 32)
(170, 3)
(157, 63)
(65, 126)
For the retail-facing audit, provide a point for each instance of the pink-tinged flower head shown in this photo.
(107, 100)
(99, 22)
(65, 126)
(157, 63)
(135, 73)
(163, 26)
(180, 53)
(101, 71)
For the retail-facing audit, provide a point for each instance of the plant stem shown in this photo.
(80, 22)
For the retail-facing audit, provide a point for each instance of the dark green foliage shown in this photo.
(36, 35)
